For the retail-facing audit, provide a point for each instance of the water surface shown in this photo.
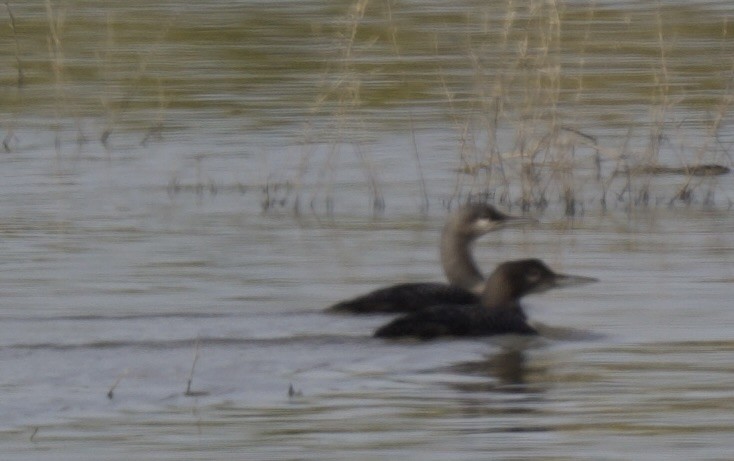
(189, 186)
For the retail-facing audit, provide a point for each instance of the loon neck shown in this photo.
(500, 293)
(457, 261)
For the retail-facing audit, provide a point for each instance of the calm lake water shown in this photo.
(185, 187)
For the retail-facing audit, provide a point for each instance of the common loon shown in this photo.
(498, 312)
(466, 282)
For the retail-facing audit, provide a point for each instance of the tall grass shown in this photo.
(117, 102)
(9, 139)
(509, 79)
(342, 98)
(519, 142)
(547, 160)
(56, 18)
(69, 76)
(16, 44)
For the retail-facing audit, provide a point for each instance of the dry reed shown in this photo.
(517, 145)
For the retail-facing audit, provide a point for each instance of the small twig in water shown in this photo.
(9, 140)
(189, 392)
(292, 392)
(111, 392)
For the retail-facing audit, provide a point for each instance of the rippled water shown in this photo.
(155, 155)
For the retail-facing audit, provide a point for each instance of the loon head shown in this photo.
(477, 219)
(512, 280)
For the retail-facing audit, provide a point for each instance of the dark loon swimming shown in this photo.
(466, 282)
(498, 312)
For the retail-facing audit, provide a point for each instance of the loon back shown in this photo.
(465, 320)
(405, 297)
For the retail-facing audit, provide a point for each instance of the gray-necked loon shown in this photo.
(466, 282)
(498, 312)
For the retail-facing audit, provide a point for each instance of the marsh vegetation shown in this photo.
(142, 140)
(573, 106)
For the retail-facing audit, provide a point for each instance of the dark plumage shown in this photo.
(406, 297)
(466, 282)
(498, 312)
(457, 320)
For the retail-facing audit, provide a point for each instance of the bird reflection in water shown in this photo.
(507, 370)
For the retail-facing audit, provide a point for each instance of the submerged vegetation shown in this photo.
(550, 105)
